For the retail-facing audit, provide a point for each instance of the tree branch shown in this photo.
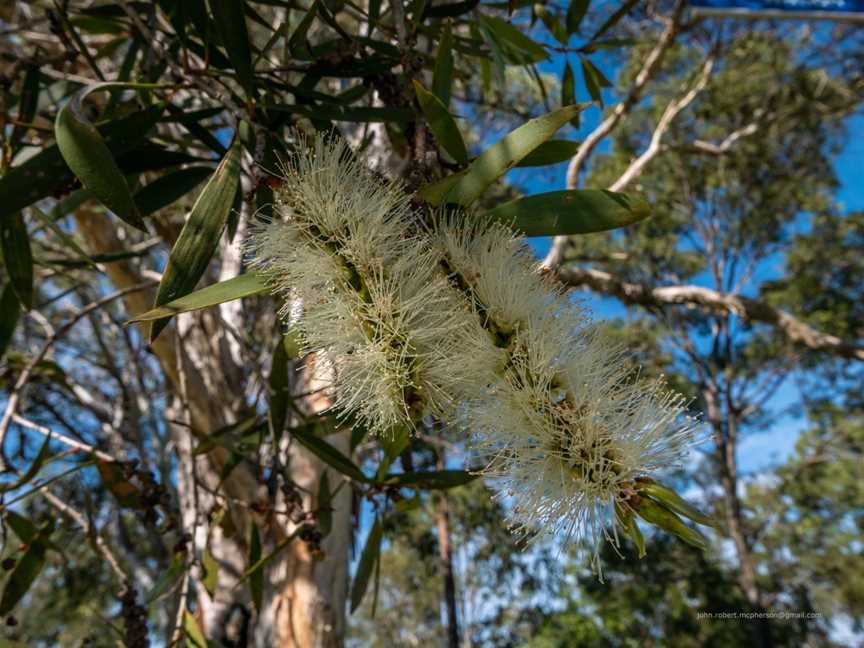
(746, 308)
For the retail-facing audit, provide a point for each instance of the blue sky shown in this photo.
(759, 450)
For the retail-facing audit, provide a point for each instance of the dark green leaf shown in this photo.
(329, 455)
(335, 112)
(170, 187)
(498, 159)
(371, 552)
(551, 152)
(67, 240)
(514, 45)
(431, 480)
(280, 394)
(622, 11)
(393, 444)
(591, 81)
(34, 468)
(631, 528)
(231, 435)
(442, 124)
(671, 500)
(89, 157)
(26, 569)
(442, 75)
(568, 91)
(256, 578)
(10, 310)
(235, 288)
(575, 13)
(15, 243)
(200, 235)
(46, 172)
(661, 517)
(578, 211)
(28, 102)
(297, 43)
(168, 578)
(23, 528)
(230, 21)
(552, 23)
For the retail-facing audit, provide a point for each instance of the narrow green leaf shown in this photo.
(231, 435)
(230, 20)
(200, 235)
(297, 42)
(170, 187)
(575, 13)
(551, 152)
(628, 522)
(168, 579)
(280, 395)
(244, 285)
(552, 24)
(370, 555)
(671, 500)
(435, 480)
(34, 468)
(26, 569)
(46, 173)
(393, 444)
(211, 572)
(10, 311)
(655, 514)
(442, 74)
(67, 240)
(15, 243)
(256, 579)
(498, 159)
(622, 11)
(578, 211)
(89, 157)
(568, 91)
(515, 46)
(442, 124)
(28, 102)
(329, 455)
(591, 82)
(194, 634)
(23, 528)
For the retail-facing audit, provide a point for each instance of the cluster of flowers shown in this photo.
(453, 321)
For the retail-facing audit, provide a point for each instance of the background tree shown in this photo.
(214, 495)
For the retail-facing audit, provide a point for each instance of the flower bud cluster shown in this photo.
(364, 292)
(457, 322)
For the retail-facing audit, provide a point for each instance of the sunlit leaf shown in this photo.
(368, 558)
(498, 159)
(200, 235)
(244, 285)
(442, 124)
(578, 211)
(15, 243)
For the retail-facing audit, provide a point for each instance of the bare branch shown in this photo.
(747, 308)
(672, 110)
(24, 376)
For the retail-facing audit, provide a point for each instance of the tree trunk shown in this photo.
(445, 556)
(726, 436)
(304, 598)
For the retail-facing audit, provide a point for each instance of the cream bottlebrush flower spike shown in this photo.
(566, 432)
(363, 291)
